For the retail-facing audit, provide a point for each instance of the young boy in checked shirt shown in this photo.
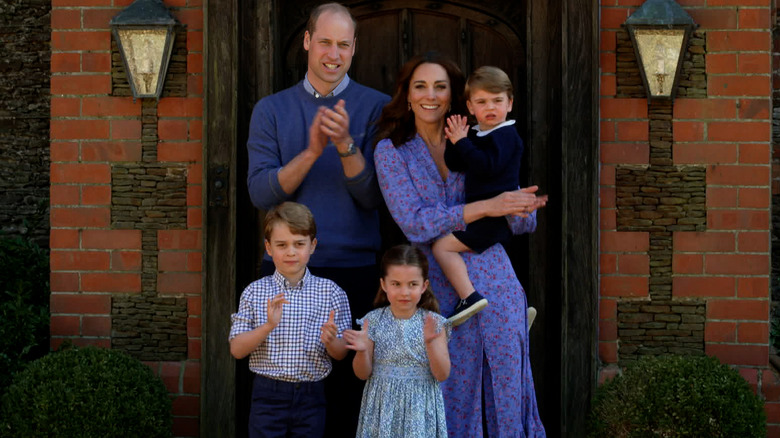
(290, 325)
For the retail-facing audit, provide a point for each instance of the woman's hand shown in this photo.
(358, 340)
(518, 202)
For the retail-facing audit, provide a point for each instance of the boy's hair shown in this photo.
(296, 216)
(336, 8)
(406, 255)
(490, 79)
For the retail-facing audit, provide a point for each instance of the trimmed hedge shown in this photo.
(86, 392)
(677, 396)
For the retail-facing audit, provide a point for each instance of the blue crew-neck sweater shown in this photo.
(345, 209)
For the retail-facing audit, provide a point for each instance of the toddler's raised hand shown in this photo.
(275, 309)
(329, 330)
(430, 329)
(456, 128)
(358, 340)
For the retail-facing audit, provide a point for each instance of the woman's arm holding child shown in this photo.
(436, 347)
(337, 347)
(247, 342)
(363, 363)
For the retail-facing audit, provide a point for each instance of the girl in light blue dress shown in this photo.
(402, 352)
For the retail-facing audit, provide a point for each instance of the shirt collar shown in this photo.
(339, 88)
(484, 133)
(284, 284)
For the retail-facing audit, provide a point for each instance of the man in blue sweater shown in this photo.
(313, 144)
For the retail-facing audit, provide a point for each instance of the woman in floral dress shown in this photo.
(491, 376)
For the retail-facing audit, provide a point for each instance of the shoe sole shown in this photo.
(461, 317)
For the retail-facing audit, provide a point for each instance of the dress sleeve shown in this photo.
(417, 208)
(265, 159)
(522, 225)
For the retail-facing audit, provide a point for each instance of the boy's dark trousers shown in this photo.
(286, 409)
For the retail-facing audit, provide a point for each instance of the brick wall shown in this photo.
(126, 200)
(685, 263)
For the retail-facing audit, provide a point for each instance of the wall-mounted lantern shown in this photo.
(660, 31)
(144, 32)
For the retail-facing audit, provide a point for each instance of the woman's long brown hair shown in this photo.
(407, 255)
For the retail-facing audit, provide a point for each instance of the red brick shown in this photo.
(608, 85)
(80, 217)
(111, 282)
(704, 153)
(125, 129)
(625, 153)
(193, 349)
(65, 19)
(738, 85)
(65, 62)
(754, 18)
(721, 197)
(111, 239)
(172, 129)
(195, 63)
(629, 264)
(191, 380)
(64, 195)
(98, 18)
(754, 197)
(739, 264)
(632, 131)
(195, 261)
(64, 325)
(714, 18)
(738, 41)
(72, 41)
(81, 85)
(607, 308)
(179, 152)
(703, 241)
(186, 405)
(753, 287)
(170, 373)
(753, 242)
(717, 331)
(111, 151)
(179, 239)
(194, 327)
(607, 131)
(66, 3)
(185, 427)
(111, 106)
(194, 85)
(623, 108)
(607, 330)
(79, 260)
(608, 219)
(609, 372)
(195, 41)
(80, 173)
(125, 260)
(739, 354)
(64, 151)
(703, 286)
(736, 220)
(194, 195)
(687, 264)
(688, 131)
(194, 306)
(755, 63)
(625, 241)
(192, 18)
(180, 107)
(194, 218)
(63, 239)
(96, 195)
(613, 18)
(607, 263)
(754, 310)
(179, 283)
(96, 326)
(754, 153)
(754, 109)
(738, 175)
(721, 63)
(773, 429)
(608, 352)
(624, 286)
(753, 333)
(97, 62)
(705, 108)
(770, 385)
(607, 175)
(195, 130)
(80, 304)
(194, 173)
(64, 281)
(79, 129)
(175, 261)
(65, 107)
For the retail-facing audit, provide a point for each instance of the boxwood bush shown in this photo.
(86, 392)
(677, 396)
(24, 305)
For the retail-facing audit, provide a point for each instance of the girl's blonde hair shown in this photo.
(407, 255)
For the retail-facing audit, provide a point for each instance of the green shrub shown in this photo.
(86, 392)
(677, 396)
(24, 305)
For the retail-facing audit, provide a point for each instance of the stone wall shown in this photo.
(24, 118)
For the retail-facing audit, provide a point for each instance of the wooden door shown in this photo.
(549, 50)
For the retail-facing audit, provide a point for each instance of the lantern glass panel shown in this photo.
(144, 50)
(660, 53)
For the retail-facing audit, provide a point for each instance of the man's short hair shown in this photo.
(296, 216)
(490, 79)
(336, 8)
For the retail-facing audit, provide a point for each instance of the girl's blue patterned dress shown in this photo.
(401, 398)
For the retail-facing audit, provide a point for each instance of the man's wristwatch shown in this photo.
(351, 150)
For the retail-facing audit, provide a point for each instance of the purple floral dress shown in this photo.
(490, 351)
